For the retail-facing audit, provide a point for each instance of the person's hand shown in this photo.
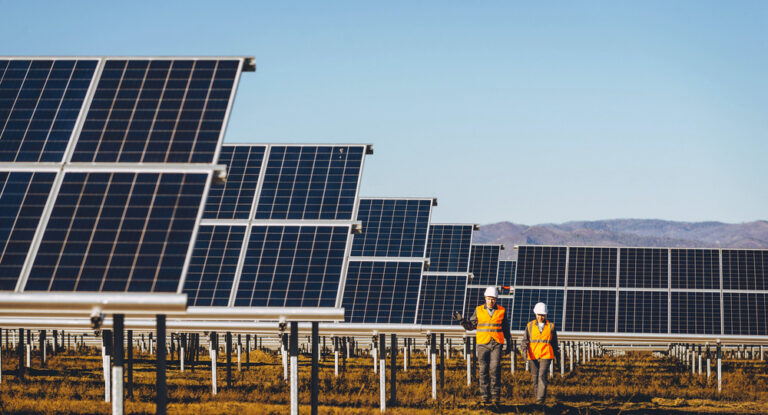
(457, 316)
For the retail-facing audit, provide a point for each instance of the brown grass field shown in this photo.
(637, 383)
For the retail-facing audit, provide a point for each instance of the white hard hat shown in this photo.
(540, 308)
(491, 292)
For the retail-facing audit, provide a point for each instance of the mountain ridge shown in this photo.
(627, 232)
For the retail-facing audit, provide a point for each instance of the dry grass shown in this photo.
(637, 383)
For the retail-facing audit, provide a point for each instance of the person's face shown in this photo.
(490, 302)
(541, 318)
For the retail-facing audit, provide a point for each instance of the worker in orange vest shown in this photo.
(492, 325)
(539, 346)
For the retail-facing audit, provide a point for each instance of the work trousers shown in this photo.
(539, 374)
(489, 357)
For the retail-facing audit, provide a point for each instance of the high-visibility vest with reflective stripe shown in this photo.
(489, 327)
(540, 346)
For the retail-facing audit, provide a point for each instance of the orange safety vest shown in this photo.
(489, 327)
(540, 346)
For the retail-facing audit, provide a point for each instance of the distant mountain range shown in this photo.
(627, 232)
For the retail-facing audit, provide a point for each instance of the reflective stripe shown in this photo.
(540, 341)
(489, 331)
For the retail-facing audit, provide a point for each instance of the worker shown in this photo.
(492, 325)
(539, 346)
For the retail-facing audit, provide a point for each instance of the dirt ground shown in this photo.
(633, 384)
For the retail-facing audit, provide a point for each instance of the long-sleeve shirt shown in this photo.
(471, 324)
(526, 340)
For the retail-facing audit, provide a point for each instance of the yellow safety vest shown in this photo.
(489, 327)
(540, 346)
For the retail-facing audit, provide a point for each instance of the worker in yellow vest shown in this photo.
(492, 325)
(539, 346)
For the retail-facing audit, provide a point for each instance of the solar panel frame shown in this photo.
(417, 240)
(226, 113)
(400, 302)
(67, 166)
(440, 314)
(75, 131)
(252, 221)
(456, 253)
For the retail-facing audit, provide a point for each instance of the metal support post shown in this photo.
(719, 368)
(118, 403)
(228, 345)
(160, 385)
(20, 372)
(315, 361)
(442, 361)
(129, 383)
(433, 354)
(294, 351)
(382, 373)
(212, 352)
(393, 370)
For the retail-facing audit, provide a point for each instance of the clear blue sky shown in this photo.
(504, 111)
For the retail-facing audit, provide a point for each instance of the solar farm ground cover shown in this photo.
(637, 383)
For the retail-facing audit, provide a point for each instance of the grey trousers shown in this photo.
(539, 373)
(489, 359)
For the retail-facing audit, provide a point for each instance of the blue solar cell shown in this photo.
(40, 101)
(696, 313)
(541, 266)
(310, 182)
(695, 268)
(381, 292)
(292, 266)
(524, 301)
(745, 314)
(745, 269)
(644, 268)
(118, 232)
(392, 228)
(643, 312)
(507, 273)
(213, 265)
(166, 111)
(484, 264)
(441, 295)
(592, 267)
(234, 198)
(590, 311)
(22, 199)
(448, 247)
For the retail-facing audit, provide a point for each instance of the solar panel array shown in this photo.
(278, 232)
(106, 162)
(645, 290)
(387, 260)
(444, 285)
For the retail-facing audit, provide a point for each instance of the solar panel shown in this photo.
(745, 314)
(592, 267)
(234, 198)
(110, 226)
(441, 295)
(541, 266)
(507, 273)
(213, 265)
(292, 266)
(392, 228)
(745, 269)
(525, 299)
(158, 110)
(644, 268)
(382, 292)
(695, 313)
(484, 264)
(590, 311)
(40, 101)
(23, 196)
(448, 247)
(310, 182)
(124, 232)
(643, 312)
(695, 268)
